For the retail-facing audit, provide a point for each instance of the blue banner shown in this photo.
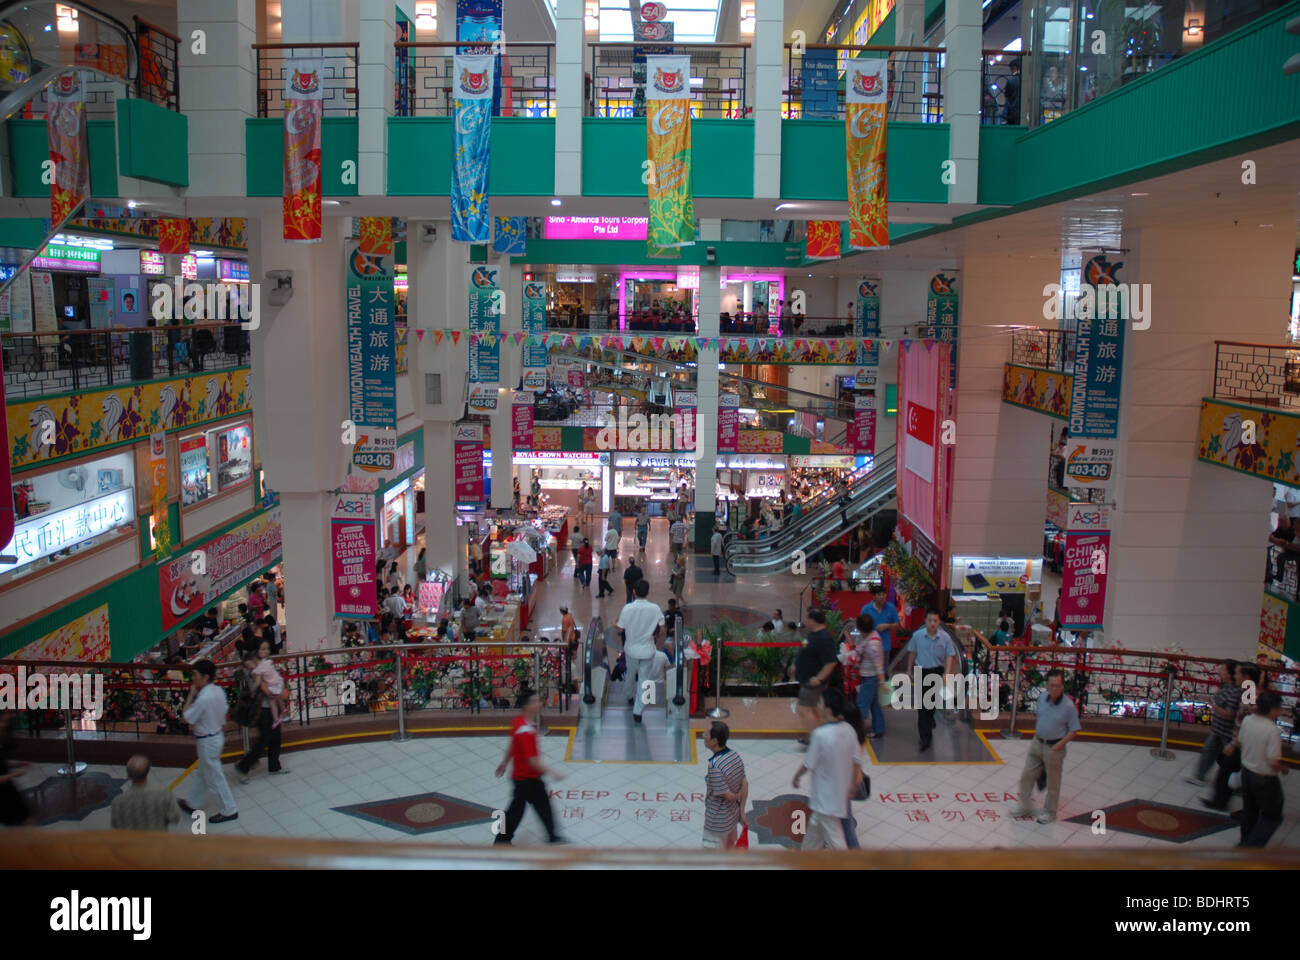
(1099, 355)
(866, 319)
(485, 300)
(479, 21)
(510, 235)
(372, 353)
(471, 221)
(820, 78)
(535, 358)
(941, 316)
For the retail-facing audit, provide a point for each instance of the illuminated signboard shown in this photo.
(48, 533)
(597, 228)
(236, 270)
(59, 257)
(189, 267)
(152, 263)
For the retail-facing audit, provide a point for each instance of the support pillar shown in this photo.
(375, 85)
(569, 53)
(219, 91)
(766, 61)
(706, 415)
(963, 40)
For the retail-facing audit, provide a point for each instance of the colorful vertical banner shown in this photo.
(485, 299)
(728, 423)
(1087, 558)
(372, 357)
(862, 431)
(823, 241)
(866, 103)
(685, 403)
(173, 236)
(479, 22)
(941, 316)
(510, 236)
(469, 464)
(534, 322)
(303, 111)
(1099, 354)
(162, 528)
(472, 85)
(866, 321)
(668, 149)
(922, 390)
(521, 420)
(376, 235)
(352, 542)
(65, 125)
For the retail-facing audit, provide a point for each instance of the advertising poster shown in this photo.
(685, 404)
(484, 325)
(534, 322)
(472, 88)
(194, 470)
(820, 98)
(521, 420)
(1099, 357)
(920, 389)
(866, 102)
(303, 111)
(866, 321)
(941, 316)
(863, 429)
(372, 357)
(469, 464)
(100, 293)
(1087, 558)
(352, 539)
(728, 423)
(668, 148)
(162, 530)
(20, 303)
(1091, 466)
(85, 638)
(823, 242)
(43, 301)
(65, 125)
(575, 379)
(229, 560)
(759, 441)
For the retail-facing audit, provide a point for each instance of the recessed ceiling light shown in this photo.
(131, 204)
(556, 201)
(1266, 224)
(1139, 194)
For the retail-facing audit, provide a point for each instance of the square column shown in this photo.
(375, 85)
(569, 53)
(963, 39)
(706, 415)
(766, 62)
(219, 91)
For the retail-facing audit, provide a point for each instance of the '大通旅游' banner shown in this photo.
(534, 320)
(303, 108)
(485, 299)
(866, 321)
(372, 357)
(941, 316)
(471, 139)
(866, 85)
(65, 125)
(668, 149)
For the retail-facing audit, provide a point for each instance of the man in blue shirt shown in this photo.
(884, 615)
(1057, 725)
(933, 650)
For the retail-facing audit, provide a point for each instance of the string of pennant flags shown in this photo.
(641, 344)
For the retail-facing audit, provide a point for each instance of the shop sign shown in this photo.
(728, 423)
(592, 228)
(992, 575)
(236, 270)
(1083, 576)
(468, 464)
(574, 275)
(547, 457)
(189, 267)
(746, 461)
(483, 398)
(152, 263)
(863, 439)
(823, 461)
(375, 450)
(685, 398)
(654, 463)
(1091, 464)
(352, 537)
(56, 256)
(521, 420)
(46, 534)
(195, 578)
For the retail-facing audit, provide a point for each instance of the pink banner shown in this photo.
(521, 432)
(1087, 557)
(921, 407)
(469, 473)
(728, 423)
(352, 539)
(862, 433)
(575, 378)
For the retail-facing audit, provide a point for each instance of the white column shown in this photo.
(706, 415)
(510, 278)
(909, 23)
(569, 51)
(767, 65)
(300, 402)
(375, 65)
(963, 37)
(219, 89)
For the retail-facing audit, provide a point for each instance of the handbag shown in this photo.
(862, 790)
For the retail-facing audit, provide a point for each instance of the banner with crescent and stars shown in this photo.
(866, 85)
(65, 125)
(668, 150)
(471, 138)
(303, 109)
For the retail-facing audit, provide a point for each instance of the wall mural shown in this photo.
(86, 638)
(1225, 439)
(1047, 391)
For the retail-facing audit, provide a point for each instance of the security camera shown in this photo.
(428, 232)
(281, 287)
(711, 255)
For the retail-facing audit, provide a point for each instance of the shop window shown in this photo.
(215, 461)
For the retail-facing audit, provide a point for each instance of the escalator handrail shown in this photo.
(596, 627)
(132, 55)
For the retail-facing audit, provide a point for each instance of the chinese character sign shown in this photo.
(484, 325)
(372, 351)
(521, 420)
(468, 464)
(1099, 361)
(866, 321)
(1087, 557)
(534, 322)
(352, 537)
(941, 315)
(728, 423)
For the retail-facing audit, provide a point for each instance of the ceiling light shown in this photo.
(556, 201)
(1139, 194)
(131, 204)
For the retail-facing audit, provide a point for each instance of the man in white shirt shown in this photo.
(715, 550)
(611, 545)
(394, 604)
(205, 712)
(1261, 762)
(778, 622)
(832, 758)
(642, 623)
(677, 534)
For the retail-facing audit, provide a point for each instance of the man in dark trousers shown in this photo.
(527, 773)
(631, 575)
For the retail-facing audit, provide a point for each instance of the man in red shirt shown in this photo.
(528, 770)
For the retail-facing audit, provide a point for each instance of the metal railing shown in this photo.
(1048, 349)
(39, 364)
(1260, 374)
(159, 78)
(618, 78)
(915, 81)
(1000, 87)
(338, 66)
(526, 78)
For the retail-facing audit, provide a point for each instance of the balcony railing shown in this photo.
(527, 79)
(915, 81)
(718, 72)
(1047, 349)
(159, 78)
(1260, 374)
(338, 66)
(39, 364)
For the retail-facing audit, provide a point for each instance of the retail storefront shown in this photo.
(562, 475)
(982, 587)
(216, 461)
(401, 493)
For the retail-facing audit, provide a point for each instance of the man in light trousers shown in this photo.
(205, 712)
(1057, 725)
(642, 623)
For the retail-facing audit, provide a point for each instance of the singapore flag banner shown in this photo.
(921, 402)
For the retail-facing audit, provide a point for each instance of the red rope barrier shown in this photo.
(740, 643)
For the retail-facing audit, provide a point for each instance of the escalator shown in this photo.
(871, 490)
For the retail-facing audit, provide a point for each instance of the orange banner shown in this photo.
(65, 124)
(866, 108)
(173, 236)
(823, 240)
(377, 236)
(302, 152)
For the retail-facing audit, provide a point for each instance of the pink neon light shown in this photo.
(597, 228)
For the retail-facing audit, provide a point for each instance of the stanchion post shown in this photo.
(400, 736)
(1011, 733)
(75, 768)
(679, 662)
(1163, 752)
(717, 713)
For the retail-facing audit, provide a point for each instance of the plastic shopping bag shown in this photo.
(743, 842)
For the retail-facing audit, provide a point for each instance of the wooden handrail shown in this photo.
(472, 43)
(1267, 346)
(876, 48)
(667, 43)
(306, 46)
(154, 28)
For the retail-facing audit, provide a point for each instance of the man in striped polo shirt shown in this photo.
(726, 790)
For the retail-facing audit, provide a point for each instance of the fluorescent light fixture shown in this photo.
(1139, 194)
(556, 201)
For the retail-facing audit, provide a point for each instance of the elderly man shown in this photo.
(1057, 725)
(143, 806)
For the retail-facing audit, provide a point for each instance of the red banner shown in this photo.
(866, 105)
(1083, 575)
(377, 236)
(65, 124)
(921, 401)
(352, 537)
(862, 431)
(823, 240)
(521, 423)
(196, 578)
(302, 152)
(173, 236)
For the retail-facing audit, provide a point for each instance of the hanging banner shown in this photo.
(485, 301)
(823, 241)
(862, 431)
(376, 235)
(469, 464)
(1087, 556)
(866, 103)
(43, 301)
(668, 150)
(65, 125)
(685, 403)
(941, 316)
(352, 540)
(1098, 352)
(173, 236)
(534, 322)
(866, 321)
(921, 407)
(1091, 466)
(728, 423)
(162, 530)
(479, 22)
(510, 235)
(303, 110)
(471, 140)
(372, 357)
(521, 420)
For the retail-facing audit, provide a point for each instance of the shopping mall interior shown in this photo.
(361, 357)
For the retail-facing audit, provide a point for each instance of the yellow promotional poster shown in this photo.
(102, 418)
(761, 441)
(86, 638)
(1225, 439)
(162, 531)
(668, 153)
(1047, 391)
(1058, 504)
(990, 575)
(866, 104)
(1272, 627)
